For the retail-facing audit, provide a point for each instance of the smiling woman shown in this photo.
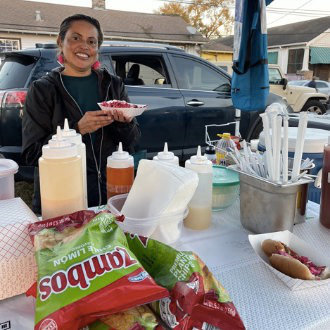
(73, 92)
(79, 42)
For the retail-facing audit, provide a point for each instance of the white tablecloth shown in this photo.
(263, 301)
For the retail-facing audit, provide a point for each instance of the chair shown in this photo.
(133, 76)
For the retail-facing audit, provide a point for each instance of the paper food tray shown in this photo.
(299, 246)
(17, 263)
(131, 112)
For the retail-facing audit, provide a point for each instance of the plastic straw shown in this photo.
(273, 122)
(299, 145)
(276, 131)
(285, 148)
(269, 156)
(301, 175)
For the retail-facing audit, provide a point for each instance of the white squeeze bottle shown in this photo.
(61, 179)
(72, 136)
(200, 206)
(167, 156)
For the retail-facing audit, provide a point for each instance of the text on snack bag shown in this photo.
(80, 274)
(71, 256)
(182, 266)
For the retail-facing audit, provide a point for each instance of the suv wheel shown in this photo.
(255, 131)
(314, 106)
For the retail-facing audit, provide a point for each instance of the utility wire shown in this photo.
(286, 11)
(303, 5)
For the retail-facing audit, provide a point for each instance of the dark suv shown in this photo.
(184, 93)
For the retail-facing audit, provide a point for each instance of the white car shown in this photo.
(300, 98)
(321, 85)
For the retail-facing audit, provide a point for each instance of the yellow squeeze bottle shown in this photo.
(61, 179)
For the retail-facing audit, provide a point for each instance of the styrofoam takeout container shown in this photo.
(130, 112)
(8, 168)
(300, 247)
(164, 228)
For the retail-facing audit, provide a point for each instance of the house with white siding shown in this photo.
(301, 49)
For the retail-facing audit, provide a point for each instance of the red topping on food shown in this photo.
(120, 104)
(315, 270)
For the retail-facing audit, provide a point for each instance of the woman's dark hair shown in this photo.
(66, 24)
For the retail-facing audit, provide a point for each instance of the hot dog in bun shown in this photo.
(290, 263)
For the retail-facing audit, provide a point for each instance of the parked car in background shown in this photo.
(183, 92)
(321, 85)
(300, 98)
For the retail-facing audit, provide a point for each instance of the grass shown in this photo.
(24, 190)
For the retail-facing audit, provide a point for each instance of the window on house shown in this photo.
(295, 61)
(273, 57)
(8, 45)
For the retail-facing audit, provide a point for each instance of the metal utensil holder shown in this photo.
(266, 206)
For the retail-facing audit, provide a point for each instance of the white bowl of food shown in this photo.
(128, 109)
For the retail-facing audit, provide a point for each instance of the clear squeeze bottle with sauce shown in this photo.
(325, 188)
(61, 179)
(167, 156)
(72, 136)
(200, 206)
(120, 172)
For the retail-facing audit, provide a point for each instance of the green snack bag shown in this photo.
(197, 299)
(86, 271)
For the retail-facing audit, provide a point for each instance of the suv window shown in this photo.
(197, 76)
(15, 70)
(43, 67)
(274, 76)
(146, 70)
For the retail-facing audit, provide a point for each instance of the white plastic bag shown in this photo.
(17, 313)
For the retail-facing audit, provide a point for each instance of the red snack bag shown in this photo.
(197, 301)
(86, 271)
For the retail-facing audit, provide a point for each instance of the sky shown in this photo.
(279, 12)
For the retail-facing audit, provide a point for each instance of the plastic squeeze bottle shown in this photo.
(221, 148)
(200, 206)
(167, 156)
(61, 179)
(120, 172)
(325, 188)
(73, 137)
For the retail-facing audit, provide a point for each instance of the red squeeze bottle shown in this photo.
(120, 172)
(325, 188)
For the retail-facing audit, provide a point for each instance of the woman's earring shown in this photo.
(60, 59)
(96, 65)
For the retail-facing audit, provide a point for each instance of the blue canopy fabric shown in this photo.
(250, 83)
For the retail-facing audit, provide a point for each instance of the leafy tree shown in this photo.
(210, 17)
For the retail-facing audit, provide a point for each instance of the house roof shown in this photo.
(217, 45)
(298, 32)
(20, 16)
(285, 34)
